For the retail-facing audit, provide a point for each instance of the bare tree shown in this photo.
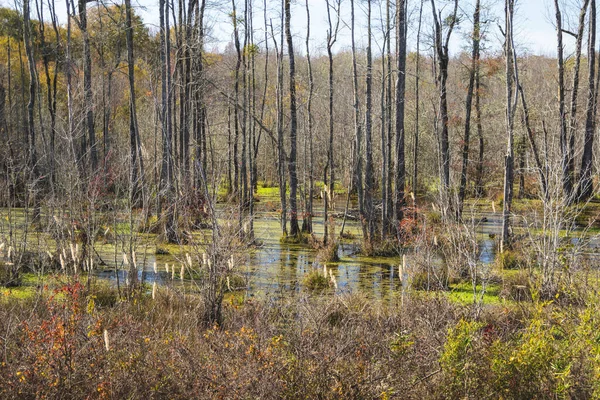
(468, 107)
(511, 104)
(329, 179)
(441, 43)
(357, 168)
(30, 136)
(307, 222)
(574, 94)
(567, 183)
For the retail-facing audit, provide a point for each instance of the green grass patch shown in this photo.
(462, 293)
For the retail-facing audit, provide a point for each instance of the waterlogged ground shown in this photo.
(275, 269)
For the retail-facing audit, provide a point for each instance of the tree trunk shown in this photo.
(307, 223)
(294, 229)
(369, 176)
(401, 26)
(586, 187)
(510, 111)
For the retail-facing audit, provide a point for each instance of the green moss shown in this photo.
(263, 192)
(18, 293)
(462, 293)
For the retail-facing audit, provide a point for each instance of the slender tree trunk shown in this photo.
(236, 118)
(567, 183)
(369, 175)
(280, 144)
(31, 150)
(586, 185)
(479, 172)
(329, 181)
(510, 111)
(441, 48)
(574, 94)
(133, 142)
(87, 89)
(307, 223)
(468, 107)
(358, 178)
(415, 177)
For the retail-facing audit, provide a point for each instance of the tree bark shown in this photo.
(294, 228)
(401, 26)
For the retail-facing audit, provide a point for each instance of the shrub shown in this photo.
(516, 286)
(433, 217)
(316, 280)
(510, 259)
(463, 372)
(329, 253)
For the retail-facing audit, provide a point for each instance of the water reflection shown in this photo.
(278, 269)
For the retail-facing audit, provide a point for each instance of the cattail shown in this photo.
(125, 260)
(333, 280)
(228, 286)
(106, 341)
(493, 206)
(182, 271)
(154, 291)
(325, 270)
(173, 272)
(155, 268)
(189, 259)
(62, 261)
(435, 242)
(167, 268)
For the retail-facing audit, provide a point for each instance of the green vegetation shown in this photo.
(535, 350)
